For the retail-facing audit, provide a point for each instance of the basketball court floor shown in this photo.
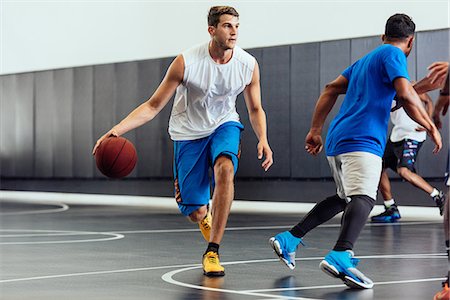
(54, 246)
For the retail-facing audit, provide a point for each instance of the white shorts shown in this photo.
(356, 173)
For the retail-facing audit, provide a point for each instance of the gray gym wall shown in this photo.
(51, 119)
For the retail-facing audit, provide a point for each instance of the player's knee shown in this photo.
(199, 214)
(404, 172)
(224, 169)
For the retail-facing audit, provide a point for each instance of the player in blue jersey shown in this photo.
(355, 144)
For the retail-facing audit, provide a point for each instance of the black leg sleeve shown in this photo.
(353, 221)
(321, 212)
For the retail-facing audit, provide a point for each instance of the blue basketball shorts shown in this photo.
(401, 154)
(193, 161)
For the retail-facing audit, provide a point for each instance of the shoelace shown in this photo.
(212, 259)
(205, 224)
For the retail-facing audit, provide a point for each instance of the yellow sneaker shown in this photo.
(211, 264)
(205, 225)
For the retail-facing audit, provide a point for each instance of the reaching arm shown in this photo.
(413, 107)
(427, 102)
(428, 105)
(438, 71)
(324, 105)
(442, 103)
(149, 109)
(252, 95)
(435, 78)
(427, 84)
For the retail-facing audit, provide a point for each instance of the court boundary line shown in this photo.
(168, 277)
(168, 203)
(114, 236)
(63, 207)
(411, 256)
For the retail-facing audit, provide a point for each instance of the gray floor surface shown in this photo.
(111, 252)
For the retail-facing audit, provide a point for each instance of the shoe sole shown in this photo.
(387, 220)
(330, 270)
(277, 249)
(214, 274)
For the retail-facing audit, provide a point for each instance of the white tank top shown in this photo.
(405, 127)
(207, 96)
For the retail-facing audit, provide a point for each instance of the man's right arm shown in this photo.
(324, 105)
(149, 109)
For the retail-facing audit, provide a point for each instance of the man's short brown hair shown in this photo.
(216, 11)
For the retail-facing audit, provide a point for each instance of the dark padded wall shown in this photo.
(433, 46)
(51, 119)
(83, 110)
(16, 125)
(305, 89)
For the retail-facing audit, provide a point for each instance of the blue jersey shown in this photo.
(362, 121)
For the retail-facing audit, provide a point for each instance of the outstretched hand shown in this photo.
(438, 71)
(313, 143)
(265, 151)
(112, 132)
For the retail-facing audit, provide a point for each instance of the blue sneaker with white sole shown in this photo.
(342, 265)
(390, 215)
(285, 244)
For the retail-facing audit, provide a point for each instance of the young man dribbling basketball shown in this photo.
(205, 127)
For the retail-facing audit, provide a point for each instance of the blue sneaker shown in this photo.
(285, 244)
(390, 215)
(342, 265)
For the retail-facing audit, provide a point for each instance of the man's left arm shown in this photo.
(413, 107)
(252, 95)
(427, 102)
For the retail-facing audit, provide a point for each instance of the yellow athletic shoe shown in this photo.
(205, 225)
(211, 264)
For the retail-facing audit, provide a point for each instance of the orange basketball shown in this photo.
(116, 157)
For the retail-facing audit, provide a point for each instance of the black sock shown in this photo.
(212, 247)
(353, 221)
(320, 213)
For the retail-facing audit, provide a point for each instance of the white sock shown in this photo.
(389, 203)
(434, 193)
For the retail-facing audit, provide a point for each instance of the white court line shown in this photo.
(42, 234)
(316, 287)
(63, 207)
(113, 236)
(93, 273)
(168, 203)
(168, 277)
